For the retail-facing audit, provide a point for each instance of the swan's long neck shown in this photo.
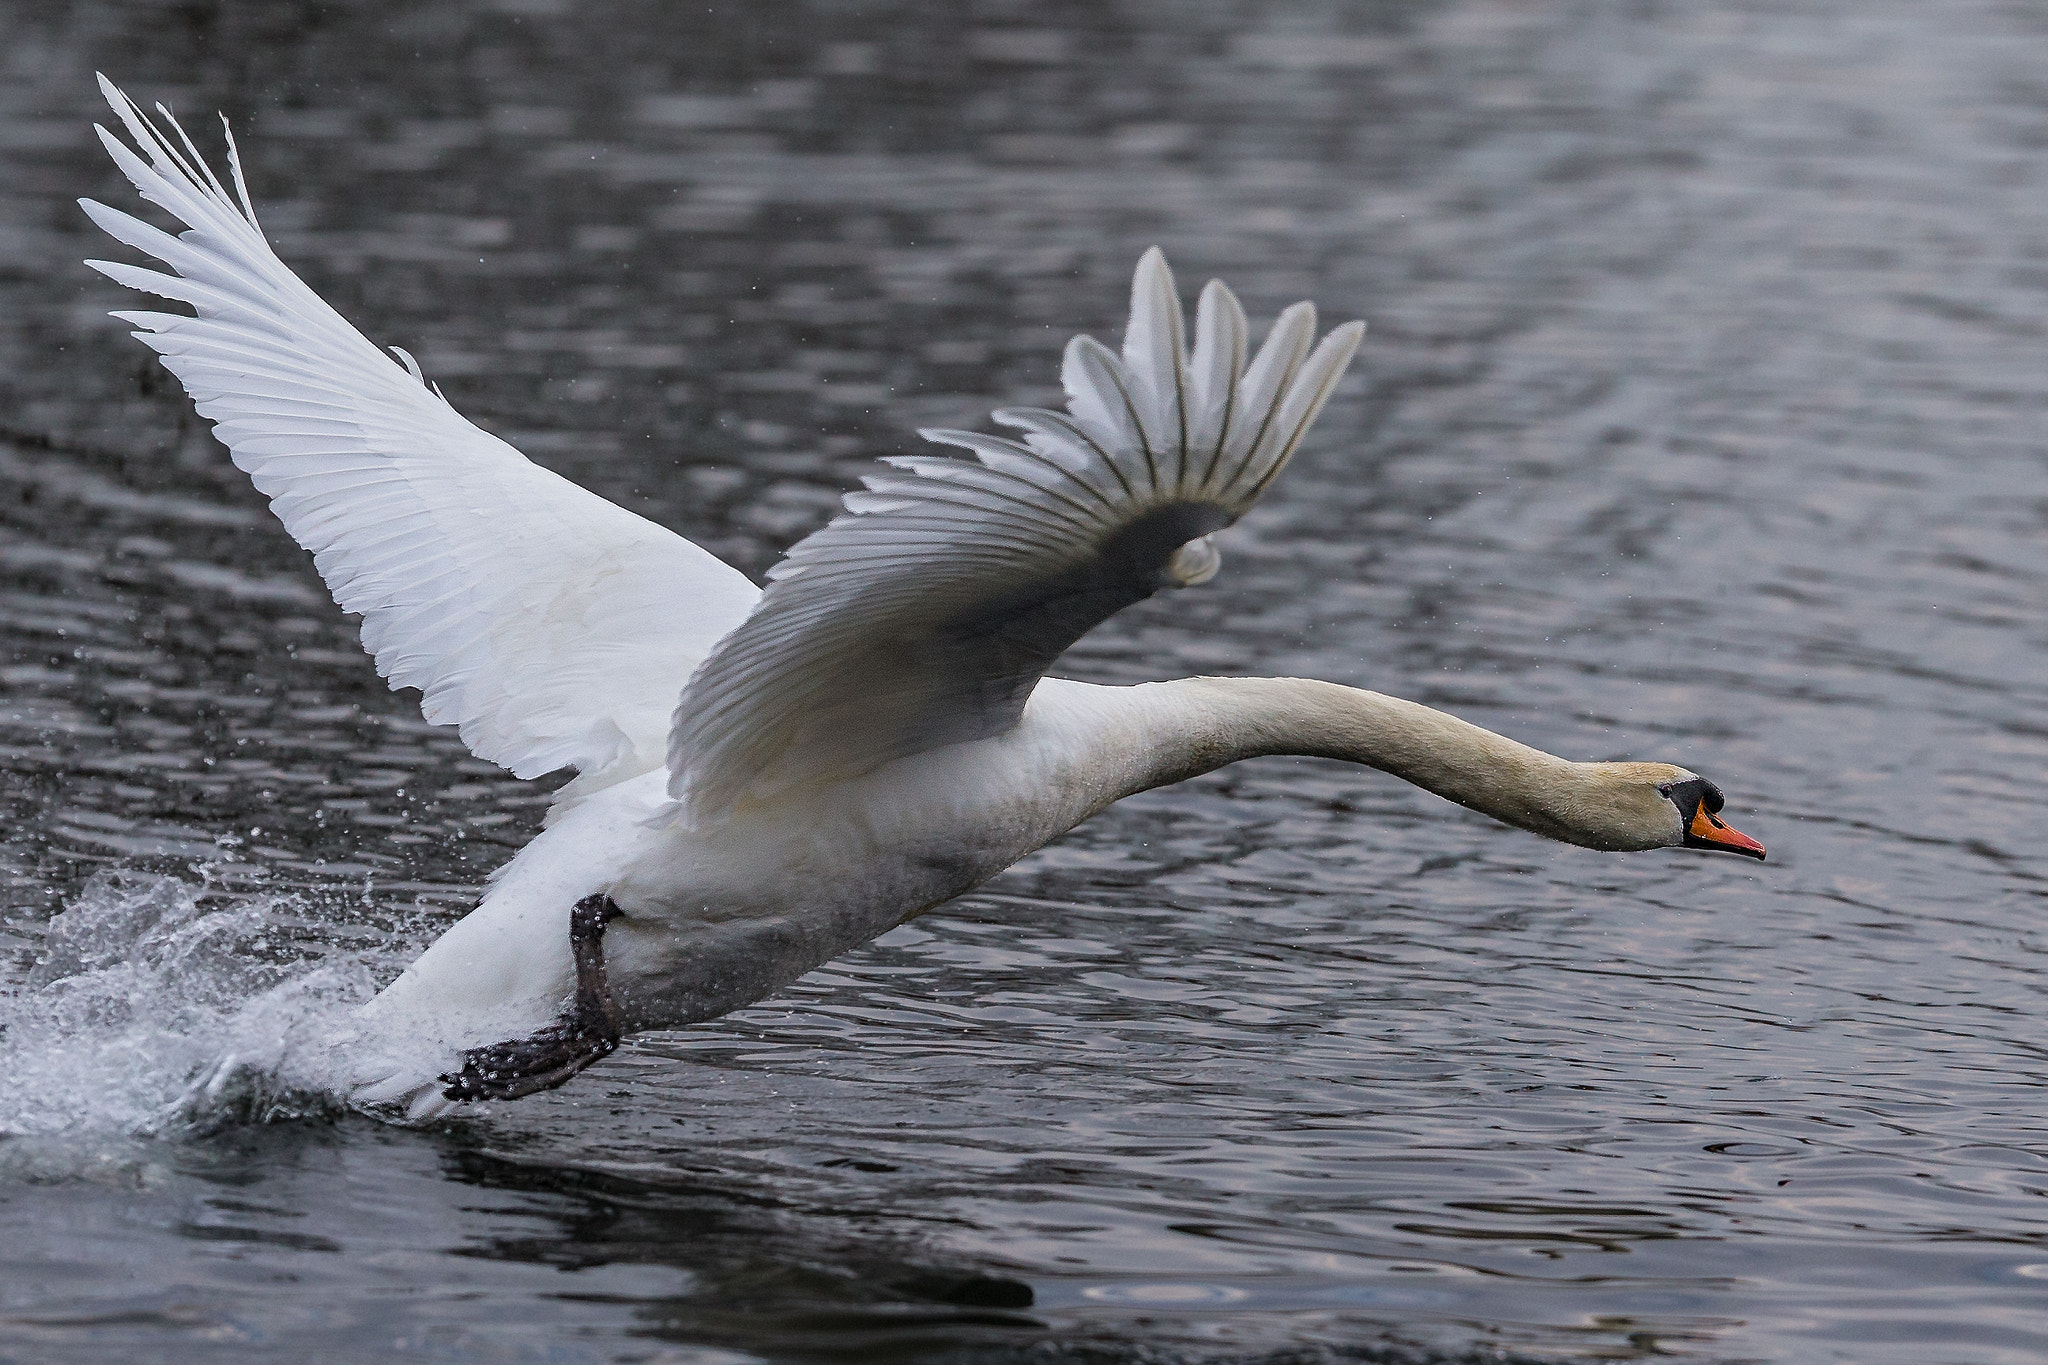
(1195, 725)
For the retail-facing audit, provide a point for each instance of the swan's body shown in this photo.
(870, 736)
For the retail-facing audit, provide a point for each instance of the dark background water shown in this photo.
(1700, 419)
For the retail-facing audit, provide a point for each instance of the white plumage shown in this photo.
(540, 619)
(871, 735)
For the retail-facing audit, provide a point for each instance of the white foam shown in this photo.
(151, 1014)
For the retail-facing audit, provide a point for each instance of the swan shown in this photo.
(767, 777)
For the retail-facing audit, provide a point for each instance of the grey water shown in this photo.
(1703, 417)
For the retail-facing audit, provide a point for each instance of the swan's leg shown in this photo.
(522, 1066)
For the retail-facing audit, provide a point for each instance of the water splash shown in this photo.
(152, 1014)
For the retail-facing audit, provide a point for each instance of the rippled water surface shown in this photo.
(1701, 418)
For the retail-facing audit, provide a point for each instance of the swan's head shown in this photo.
(1657, 805)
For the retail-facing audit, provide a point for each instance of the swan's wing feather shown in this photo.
(553, 627)
(927, 612)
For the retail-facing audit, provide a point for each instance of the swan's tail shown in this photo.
(401, 1083)
(407, 1044)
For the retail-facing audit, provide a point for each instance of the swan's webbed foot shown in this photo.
(589, 1032)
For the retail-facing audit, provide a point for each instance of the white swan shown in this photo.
(870, 736)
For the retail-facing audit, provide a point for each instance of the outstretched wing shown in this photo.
(553, 627)
(928, 611)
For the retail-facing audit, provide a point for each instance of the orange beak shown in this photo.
(1707, 831)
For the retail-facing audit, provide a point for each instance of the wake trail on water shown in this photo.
(153, 1013)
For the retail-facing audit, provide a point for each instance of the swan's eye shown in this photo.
(1665, 790)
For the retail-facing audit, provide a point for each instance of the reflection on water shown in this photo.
(1700, 418)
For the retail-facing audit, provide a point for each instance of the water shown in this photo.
(1700, 419)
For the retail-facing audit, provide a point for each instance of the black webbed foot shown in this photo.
(590, 1030)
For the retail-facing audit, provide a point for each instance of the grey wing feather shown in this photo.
(928, 611)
